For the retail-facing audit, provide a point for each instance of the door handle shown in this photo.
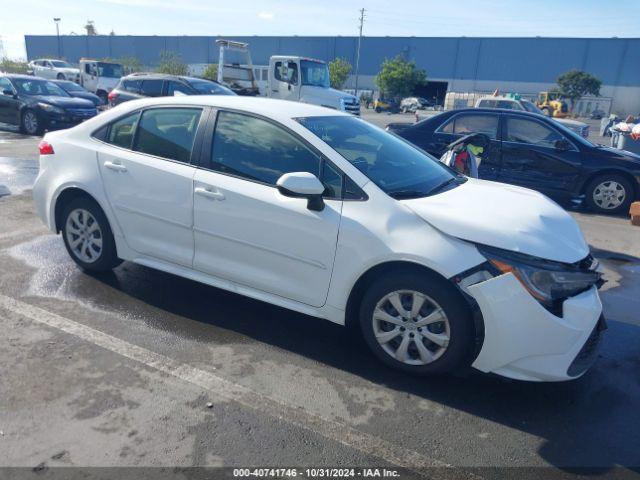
(118, 167)
(209, 193)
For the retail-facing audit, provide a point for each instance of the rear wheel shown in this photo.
(378, 109)
(88, 237)
(609, 193)
(61, 76)
(417, 323)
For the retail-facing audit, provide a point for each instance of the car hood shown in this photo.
(324, 96)
(617, 154)
(569, 122)
(64, 102)
(87, 96)
(504, 216)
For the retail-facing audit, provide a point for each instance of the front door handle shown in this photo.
(118, 167)
(209, 193)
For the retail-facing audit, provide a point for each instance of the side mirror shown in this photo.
(562, 145)
(303, 185)
(8, 93)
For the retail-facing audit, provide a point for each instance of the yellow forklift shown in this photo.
(552, 104)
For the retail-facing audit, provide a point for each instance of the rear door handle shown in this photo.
(118, 167)
(215, 195)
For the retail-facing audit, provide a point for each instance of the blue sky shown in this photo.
(550, 18)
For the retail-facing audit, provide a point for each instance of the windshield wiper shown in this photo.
(408, 194)
(445, 184)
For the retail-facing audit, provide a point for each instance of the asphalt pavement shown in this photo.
(142, 368)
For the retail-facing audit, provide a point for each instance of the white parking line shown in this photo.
(217, 386)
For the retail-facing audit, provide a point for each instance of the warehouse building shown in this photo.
(519, 65)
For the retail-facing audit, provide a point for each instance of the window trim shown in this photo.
(534, 120)
(205, 157)
(196, 150)
(484, 114)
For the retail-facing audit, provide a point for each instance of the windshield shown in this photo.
(204, 87)
(61, 64)
(38, 87)
(109, 70)
(315, 74)
(398, 168)
(530, 107)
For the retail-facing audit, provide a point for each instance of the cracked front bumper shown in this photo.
(524, 341)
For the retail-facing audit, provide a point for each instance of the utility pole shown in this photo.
(57, 21)
(358, 52)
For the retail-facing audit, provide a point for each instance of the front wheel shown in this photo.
(609, 193)
(88, 237)
(417, 323)
(378, 109)
(30, 123)
(61, 76)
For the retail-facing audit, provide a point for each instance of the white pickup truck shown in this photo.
(291, 77)
(99, 77)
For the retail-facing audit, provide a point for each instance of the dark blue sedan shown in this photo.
(537, 152)
(78, 91)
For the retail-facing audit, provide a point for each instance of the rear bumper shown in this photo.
(524, 341)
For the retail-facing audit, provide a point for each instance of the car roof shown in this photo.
(24, 77)
(268, 107)
(163, 76)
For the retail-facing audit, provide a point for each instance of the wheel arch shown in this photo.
(616, 171)
(384, 268)
(67, 195)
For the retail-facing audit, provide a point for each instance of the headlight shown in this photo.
(342, 103)
(547, 281)
(50, 108)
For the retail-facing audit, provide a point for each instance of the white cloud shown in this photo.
(266, 15)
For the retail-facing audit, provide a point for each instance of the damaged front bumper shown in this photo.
(525, 341)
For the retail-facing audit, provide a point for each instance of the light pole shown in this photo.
(57, 22)
(358, 51)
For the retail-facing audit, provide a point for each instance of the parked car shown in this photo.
(412, 104)
(537, 152)
(77, 91)
(140, 85)
(53, 69)
(320, 212)
(36, 105)
(386, 105)
(509, 103)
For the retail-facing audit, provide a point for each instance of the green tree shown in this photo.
(171, 63)
(575, 84)
(13, 66)
(211, 72)
(339, 70)
(399, 77)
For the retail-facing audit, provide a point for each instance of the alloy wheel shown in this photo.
(609, 195)
(411, 327)
(30, 121)
(84, 235)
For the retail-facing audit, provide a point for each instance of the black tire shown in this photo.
(599, 206)
(104, 98)
(107, 258)
(61, 76)
(458, 352)
(378, 109)
(26, 124)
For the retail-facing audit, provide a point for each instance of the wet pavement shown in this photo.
(117, 369)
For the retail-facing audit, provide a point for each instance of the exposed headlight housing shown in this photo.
(50, 108)
(547, 281)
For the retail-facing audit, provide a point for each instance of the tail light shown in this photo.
(112, 96)
(45, 148)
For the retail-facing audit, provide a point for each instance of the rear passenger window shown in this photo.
(168, 132)
(121, 132)
(466, 124)
(132, 86)
(152, 88)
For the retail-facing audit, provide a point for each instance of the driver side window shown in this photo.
(520, 130)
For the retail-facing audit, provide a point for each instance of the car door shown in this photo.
(48, 71)
(145, 167)
(245, 230)
(538, 156)
(463, 124)
(9, 104)
(286, 80)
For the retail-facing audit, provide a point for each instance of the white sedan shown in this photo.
(320, 212)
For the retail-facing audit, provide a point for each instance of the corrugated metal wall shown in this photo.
(614, 61)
